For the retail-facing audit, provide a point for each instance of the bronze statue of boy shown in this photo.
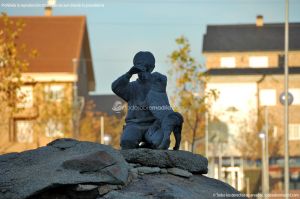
(150, 119)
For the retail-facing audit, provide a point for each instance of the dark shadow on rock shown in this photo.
(62, 162)
(65, 192)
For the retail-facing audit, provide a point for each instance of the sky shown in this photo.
(120, 28)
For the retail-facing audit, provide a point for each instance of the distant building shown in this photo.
(245, 63)
(63, 69)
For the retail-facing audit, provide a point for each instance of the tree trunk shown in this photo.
(193, 141)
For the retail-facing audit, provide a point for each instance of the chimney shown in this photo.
(49, 7)
(48, 11)
(259, 21)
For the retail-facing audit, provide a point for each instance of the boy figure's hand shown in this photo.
(134, 70)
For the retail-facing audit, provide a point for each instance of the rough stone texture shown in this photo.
(127, 195)
(148, 170)
(86, 187)
(69, 169)
(134, 173)
(133, 170)
(163, 171)
(107, 188)
(193, 163)
(60, 163)
(134, 165)
(179, 172)
(165, 186)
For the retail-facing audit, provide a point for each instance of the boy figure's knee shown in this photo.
(131, 137)
(128, 144)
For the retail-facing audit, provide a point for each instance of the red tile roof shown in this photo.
(58, 40)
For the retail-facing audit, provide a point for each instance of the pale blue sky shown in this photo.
(123, 27)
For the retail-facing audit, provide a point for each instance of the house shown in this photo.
(55, 85)
(246, 65)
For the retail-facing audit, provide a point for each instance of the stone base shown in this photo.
(70, 169)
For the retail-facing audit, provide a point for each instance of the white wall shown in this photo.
(236, 105)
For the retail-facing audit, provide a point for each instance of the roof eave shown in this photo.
(85, 43)
(250, 71)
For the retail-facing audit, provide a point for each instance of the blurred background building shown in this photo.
(245, 63)
(61, 75)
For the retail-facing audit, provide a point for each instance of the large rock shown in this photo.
(60, 163)
(70, 169)
(179, 172)
(193, 163)
(166, 186)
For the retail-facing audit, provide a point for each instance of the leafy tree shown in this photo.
(14, 58)
(114, 128)
(90, 125)
(54, 112)
(190, 97)
(249, 141)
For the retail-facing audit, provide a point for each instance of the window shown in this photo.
(54, 129)
(258, 61)
(228, 62)
(294, 132)
(267, 97)
(25, 97)
(24, 131)
(296, 94)
(54, 92)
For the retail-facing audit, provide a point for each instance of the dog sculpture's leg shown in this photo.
(177, 134)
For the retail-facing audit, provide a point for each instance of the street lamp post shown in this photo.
(262, 136)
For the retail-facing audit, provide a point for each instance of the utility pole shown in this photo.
(220, 161)
(286, 106)
(233, 179)
(102, 129)
(206, 135)
(267, 151)
(75, 101)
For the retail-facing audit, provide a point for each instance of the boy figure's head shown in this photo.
(144, 61)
